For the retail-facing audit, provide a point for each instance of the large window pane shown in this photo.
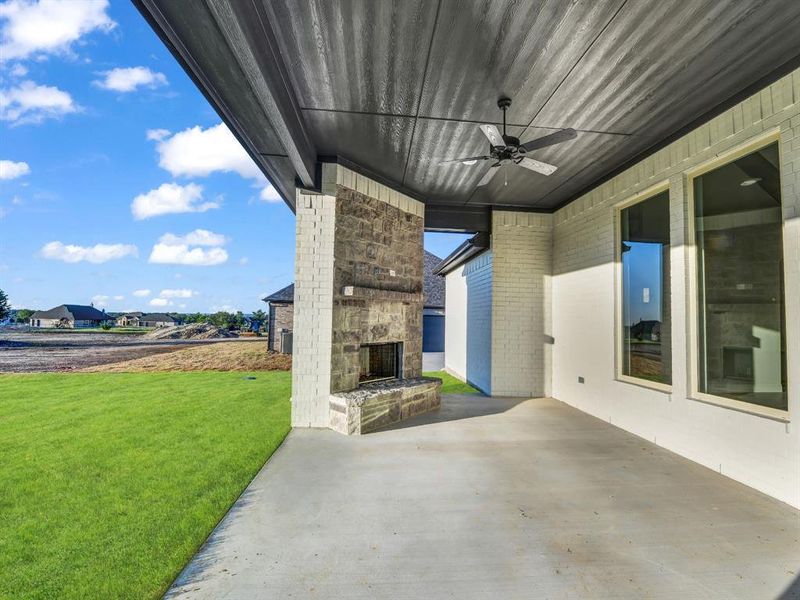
(646, 334)
(741, 329)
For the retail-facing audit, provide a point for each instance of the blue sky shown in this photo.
(118, 183)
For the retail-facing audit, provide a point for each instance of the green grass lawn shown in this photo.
(450, 384)
(110, 482)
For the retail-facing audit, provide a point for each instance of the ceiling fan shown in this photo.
(506, 149)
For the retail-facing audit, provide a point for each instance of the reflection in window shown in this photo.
(741, 329)
(646, 333)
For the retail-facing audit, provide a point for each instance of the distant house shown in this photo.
(138, 319)
(281, 317)
(646, 330)
(281, 310)
(71, 316)
(129, 319)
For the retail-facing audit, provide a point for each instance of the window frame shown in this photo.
(642, 196)
(692, 284)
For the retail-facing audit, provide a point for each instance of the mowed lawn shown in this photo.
(110, 482)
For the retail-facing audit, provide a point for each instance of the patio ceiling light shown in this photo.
(749, 182)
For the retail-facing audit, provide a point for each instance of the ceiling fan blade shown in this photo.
(491, 132)
(465, 160)
(487, 177)
(549, 140)
(539, 167)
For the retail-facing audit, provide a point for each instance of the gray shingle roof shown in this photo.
(76, 312)
(433, 285)
(283, 295)
(157, 317)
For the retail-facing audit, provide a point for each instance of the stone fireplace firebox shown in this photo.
(358, 307)
(380, 362)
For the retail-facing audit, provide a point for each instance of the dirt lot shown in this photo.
(220, 356)
(30, 352)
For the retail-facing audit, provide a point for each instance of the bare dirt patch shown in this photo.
(35, 352)
(249, 355)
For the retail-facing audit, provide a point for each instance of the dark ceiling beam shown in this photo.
(467, 219)
(255, 49)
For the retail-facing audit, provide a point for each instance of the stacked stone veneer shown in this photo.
(377, 249)
(359, 280)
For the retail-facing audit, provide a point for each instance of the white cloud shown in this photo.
(270, 194)
(157, 134)
(18, 71)
(100, 301)
(198, 237)
(3, 212)
(119, 297)
(127, 79)
(30, 102)
(198, 152)
(160, 302)
(171, 198)
(244, 260)
(183, 293)
(198, 248)
(48, 26)
(98, 253)
(141, 293)
(11, 170)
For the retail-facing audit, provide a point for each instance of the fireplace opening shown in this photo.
(380, 361)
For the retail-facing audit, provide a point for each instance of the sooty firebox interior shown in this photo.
(380, 362)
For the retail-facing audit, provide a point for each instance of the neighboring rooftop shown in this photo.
(282, 295)
(157, 317)
(74, 312)
(433, 284)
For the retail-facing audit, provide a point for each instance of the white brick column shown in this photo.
(522, 245)
(313, 308)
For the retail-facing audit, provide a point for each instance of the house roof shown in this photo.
(283, 295)
(158, 317)
(73, 312)
(433, 286)
(131, 314)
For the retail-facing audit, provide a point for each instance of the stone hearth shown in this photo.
(376, 405)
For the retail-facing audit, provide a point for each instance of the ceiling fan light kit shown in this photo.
(506, 150)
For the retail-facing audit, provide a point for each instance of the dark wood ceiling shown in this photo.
(396, 86)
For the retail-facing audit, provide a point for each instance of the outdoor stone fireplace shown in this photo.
(358, 307)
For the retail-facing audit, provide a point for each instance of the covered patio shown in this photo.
(495, 498)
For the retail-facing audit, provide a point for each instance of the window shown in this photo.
(741, 330)
(646, 323)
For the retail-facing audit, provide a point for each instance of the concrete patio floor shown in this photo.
(493, 498)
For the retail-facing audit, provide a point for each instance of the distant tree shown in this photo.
(24, 315)
(237, 320)
(221, 319)
(261, 317)
(4, 307)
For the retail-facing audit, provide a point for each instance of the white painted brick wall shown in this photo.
(313, 302)
(478, 344)
(522, 249)
(455, 323)
(755, 450)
